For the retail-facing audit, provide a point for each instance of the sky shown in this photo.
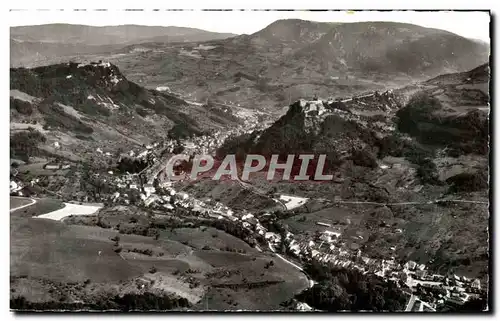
(473, 24)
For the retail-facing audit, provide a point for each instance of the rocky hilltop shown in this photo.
(415, 155)
(364, 129)
(83, 106)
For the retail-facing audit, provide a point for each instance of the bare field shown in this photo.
(71, 209)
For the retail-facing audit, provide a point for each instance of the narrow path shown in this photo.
(311, 281)
(193, 102)
(357, 97)
(23, 206)
(410, 304)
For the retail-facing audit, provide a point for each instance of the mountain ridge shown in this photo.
(289, 66)
(310, 59)
(39, 44)
(87, 105)
(116, 34)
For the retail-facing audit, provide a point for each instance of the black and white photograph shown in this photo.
(250, 160)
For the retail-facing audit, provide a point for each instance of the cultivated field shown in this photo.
(53, 260)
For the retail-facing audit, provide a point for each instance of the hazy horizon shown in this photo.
(244, 22)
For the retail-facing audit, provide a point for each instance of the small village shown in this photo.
(433, 289)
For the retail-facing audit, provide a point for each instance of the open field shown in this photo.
(47, 249)
(71, 209)
(208, 238)
(336, 216)
(42, 206)
(245, 288)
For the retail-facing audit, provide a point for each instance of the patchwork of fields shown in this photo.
(53, 260)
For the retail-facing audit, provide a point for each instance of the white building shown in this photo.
(247, 216)
(181, 195)
(149, 189)
(14, 187)
(410, 265)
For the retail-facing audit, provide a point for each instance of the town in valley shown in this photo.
(99, 223)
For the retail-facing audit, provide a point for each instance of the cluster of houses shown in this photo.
(328, 248)
(165, 197)
(206, 144)
(17, 186)
(127, 181)
(198, 145)
(450, 288)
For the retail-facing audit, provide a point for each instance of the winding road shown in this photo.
(33, 201)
